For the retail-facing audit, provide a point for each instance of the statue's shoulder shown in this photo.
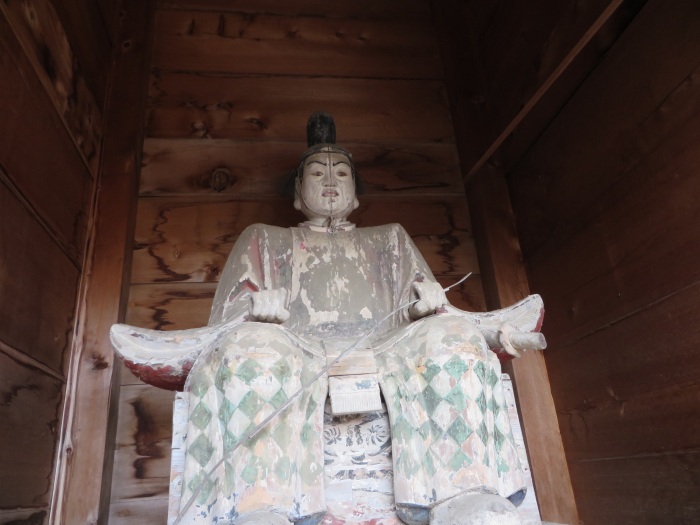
(264, 235)
(259, 229)
(393, 228)
(386, 234)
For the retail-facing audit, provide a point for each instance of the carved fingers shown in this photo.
(504, 337)
(269, 306)
(431, 297)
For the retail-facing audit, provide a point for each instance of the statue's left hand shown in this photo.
(431, 297)
(268, 306)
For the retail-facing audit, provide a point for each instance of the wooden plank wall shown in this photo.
(52, 84)
(509, 68)
(599, 146)
(83, 480)
(231, 89)
(589, 114)
(607, 206)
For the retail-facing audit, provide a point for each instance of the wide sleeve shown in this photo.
(412, 268)
(260, 260)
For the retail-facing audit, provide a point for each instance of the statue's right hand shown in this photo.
(268, 306)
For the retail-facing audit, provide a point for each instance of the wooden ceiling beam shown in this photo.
(546, 86)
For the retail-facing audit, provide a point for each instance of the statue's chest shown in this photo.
(339, 279)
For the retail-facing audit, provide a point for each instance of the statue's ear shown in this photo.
(297, 193)
(355, 204)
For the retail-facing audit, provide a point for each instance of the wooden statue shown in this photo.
(289, 301)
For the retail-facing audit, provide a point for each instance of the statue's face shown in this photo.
(327, 188)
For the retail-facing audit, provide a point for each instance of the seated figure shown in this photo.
(288, 299)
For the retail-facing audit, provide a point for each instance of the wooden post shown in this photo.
(505, 282)
(83, 475)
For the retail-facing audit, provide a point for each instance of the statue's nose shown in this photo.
(330, 180)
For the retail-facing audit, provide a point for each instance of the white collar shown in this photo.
(337, 227)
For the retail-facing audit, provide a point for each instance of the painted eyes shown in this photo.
(339, 174)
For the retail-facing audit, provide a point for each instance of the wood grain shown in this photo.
(505, 282)
(632, 426)
(153, 511)
(89, 38)
(467, 90)
(597, 139)
(516, 145)
(339, 8)
(202, 41)
(37, 153)
(24, 516)
(38, 284)
(606, 208)
(252, 115)
(180, 240)
(468, 296)
(542, 43)
(171, 306)
(85, 447)
(520, 89)
(185, 167)
(142, 454)
(30, 404)
(638, 377)
(109, 12)
(48, 49)
(641, 242)
(659, 488)
(271, 108)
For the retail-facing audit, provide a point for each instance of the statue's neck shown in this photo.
(330, 226)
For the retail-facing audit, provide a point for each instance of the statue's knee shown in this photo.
(262, 517)
(449, 334)
(255, 329)
(474, 508)
(261, 339)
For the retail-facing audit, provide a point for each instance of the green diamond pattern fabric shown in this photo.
(201, 449)
(279, 399)
(251, 404)
(446, 408)
(459, 430)
(456, 366)
(230, 393)
(248, 371)
(447, 415)
(458, 460)
(199, 384)
(223, 375)
(201, 415)
(432, 371)
(204, 486)
(226, 410)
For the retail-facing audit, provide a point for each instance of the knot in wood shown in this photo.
(220, 179)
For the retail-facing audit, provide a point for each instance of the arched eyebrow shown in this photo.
(341, 162)
(314, 161)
